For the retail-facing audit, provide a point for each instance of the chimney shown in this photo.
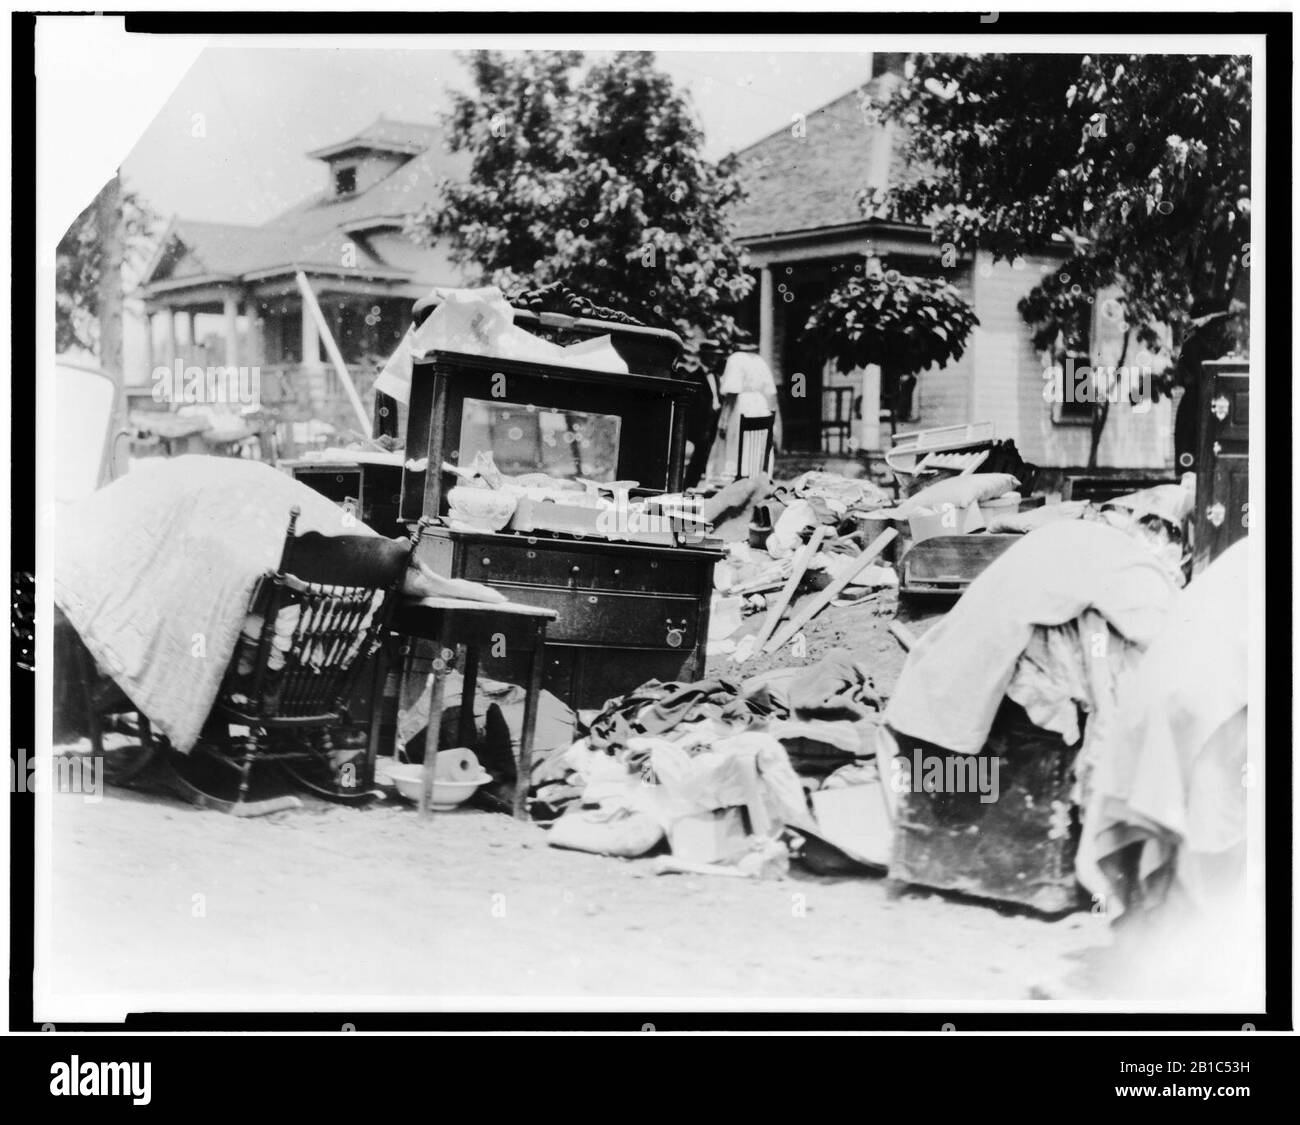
(887, 62)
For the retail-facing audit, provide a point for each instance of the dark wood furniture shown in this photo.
(1222, 513)
(1019, 848)
(371, 491)
(650, 408)
(324, 616)
(462, 632)
(754, 449)
(626, 612)
(946, 565)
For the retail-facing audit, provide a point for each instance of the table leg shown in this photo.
(377, 705)
(523, 772)
(435, 727)
(466, 729)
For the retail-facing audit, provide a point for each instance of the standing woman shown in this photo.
(748, 391)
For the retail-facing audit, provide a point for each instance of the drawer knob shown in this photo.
(487, 561)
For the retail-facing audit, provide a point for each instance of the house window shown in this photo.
(345, 180)
(1072, 400)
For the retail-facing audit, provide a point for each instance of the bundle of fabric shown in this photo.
(657, 708)
(840, 492)
(155, 573)
(958, 673)
(1166, 815)
(628, 812)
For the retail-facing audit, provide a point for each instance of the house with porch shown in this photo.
(223, 294)
(805, 231)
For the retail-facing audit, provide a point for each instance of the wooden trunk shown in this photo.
(1018, 848)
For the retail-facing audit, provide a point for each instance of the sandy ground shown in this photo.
(178, 901)
(378, 901)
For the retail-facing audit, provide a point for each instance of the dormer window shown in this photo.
(345, 180)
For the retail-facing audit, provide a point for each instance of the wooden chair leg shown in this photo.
(379, 680)
(246, 760)
(523, 772)
(466, 729)
(431, 740)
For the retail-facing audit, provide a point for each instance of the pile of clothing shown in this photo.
(671, 756)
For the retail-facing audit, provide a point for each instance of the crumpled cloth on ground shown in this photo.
(628, 813)
(836, 687)
(155, 570)
(1167, 812)
(657, 708)
(851, 493)
(677, 779)
(750, 769)
(958, 672)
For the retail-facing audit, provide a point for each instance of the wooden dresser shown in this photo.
(628, 611)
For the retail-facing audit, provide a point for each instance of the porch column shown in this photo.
(870, 437)
(169, 323)
(310, 341)
(230, 313)
(313, 369)
(149, 319)
(766, 327)
(256, 334)
(185, 317)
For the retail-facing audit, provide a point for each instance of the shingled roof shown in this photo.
(808, 175)
(316, 231)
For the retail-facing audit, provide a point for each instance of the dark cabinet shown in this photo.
(1222, 462)
(641, 419)
(627, 612)
(372, 491)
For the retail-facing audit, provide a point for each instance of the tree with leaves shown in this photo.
(1139, 165)
(113, 229)
(593, 179)
(901, 323)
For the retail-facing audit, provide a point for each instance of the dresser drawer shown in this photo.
(639, 574)
(527, 565)
(537, 565)
(593, 617)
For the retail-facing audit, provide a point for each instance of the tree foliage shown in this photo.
(1141, 162)
(904, 324)
(78, 264)
(593, 179)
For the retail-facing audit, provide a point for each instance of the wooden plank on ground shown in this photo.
(828, 595)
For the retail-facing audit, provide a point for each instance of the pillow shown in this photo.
(961, 492)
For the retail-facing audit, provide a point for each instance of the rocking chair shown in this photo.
(314, 627)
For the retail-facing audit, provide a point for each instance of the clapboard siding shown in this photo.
(1008, 388)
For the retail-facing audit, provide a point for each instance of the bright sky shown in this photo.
(262, 109)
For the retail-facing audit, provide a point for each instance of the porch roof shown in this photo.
(357, 236)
